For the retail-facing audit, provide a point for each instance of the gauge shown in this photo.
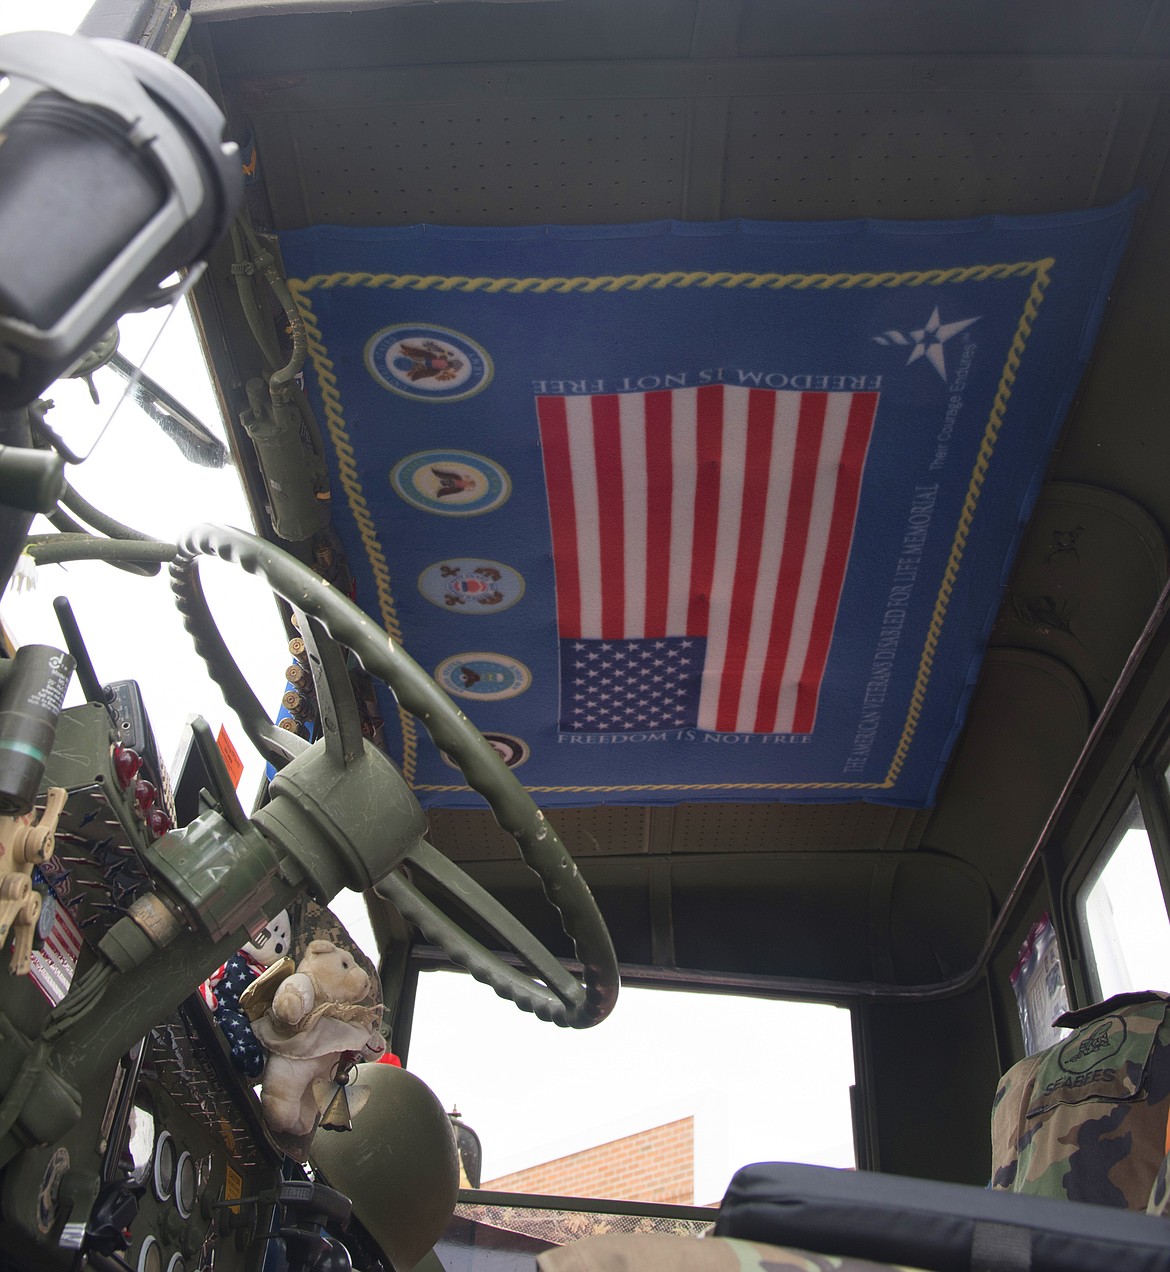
(185, 1185)
(150, 1255)
(164, 1166)
(176, 1264)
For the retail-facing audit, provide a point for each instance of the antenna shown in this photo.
(86, 676)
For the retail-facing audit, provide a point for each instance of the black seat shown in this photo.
(933, 1226)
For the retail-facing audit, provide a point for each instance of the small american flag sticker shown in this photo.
(52, 966)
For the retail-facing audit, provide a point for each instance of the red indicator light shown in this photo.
(126, 765)
(157, 822)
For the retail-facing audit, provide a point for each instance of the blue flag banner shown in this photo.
(696, 511)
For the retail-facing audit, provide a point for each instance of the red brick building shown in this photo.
(655, 1165)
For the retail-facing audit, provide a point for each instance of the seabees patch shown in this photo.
(1105, 1059)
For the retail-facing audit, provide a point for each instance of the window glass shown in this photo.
(661, 1102)
(1124, 914)
(139, 475)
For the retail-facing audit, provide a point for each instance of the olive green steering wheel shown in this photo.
(330, 624)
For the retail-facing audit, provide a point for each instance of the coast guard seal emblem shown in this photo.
(467, 585)
(427, 363)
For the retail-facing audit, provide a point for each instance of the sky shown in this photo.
(42, 15)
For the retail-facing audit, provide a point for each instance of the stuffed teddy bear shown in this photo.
(314, 1026)
(221, 991)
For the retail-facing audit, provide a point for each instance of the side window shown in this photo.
(1123, 913)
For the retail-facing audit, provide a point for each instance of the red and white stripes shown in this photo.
(721, 512)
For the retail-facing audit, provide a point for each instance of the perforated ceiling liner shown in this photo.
(568, 162)
(893, 157)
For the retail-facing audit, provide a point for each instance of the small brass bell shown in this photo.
(336, 1116)
(340, 1099)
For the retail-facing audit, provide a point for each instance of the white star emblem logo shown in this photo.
(927, 342)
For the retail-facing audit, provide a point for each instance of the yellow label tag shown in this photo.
(233, 1187)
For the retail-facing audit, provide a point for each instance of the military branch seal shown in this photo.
(427, 363)
(451, 483)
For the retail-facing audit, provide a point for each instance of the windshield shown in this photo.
(664, 1103)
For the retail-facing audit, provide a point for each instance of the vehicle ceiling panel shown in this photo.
(560, 161)
(695, 828)
(580, 29)
(1002, 26)
(424, 34)
(1089, 553)
(885, 154)
(1026, 726)
(514, 143)
(578, 112)
(895, 918)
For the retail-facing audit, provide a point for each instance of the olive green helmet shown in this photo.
(399, 1165)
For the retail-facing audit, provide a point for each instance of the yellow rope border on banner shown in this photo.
(657, 282)
(347, 473)
(1040, 271)
(978, 476)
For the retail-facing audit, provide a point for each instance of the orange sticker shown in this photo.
(231, 757)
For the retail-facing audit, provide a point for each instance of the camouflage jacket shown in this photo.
(1086, 1118)
(689, 1254)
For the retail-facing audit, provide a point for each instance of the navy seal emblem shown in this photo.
(452, 483)
(428, 363)
(488, 677)
(468, 585)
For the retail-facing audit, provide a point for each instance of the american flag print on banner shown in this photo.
(700, 542)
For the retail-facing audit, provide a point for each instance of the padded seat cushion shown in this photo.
(940, 1227)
